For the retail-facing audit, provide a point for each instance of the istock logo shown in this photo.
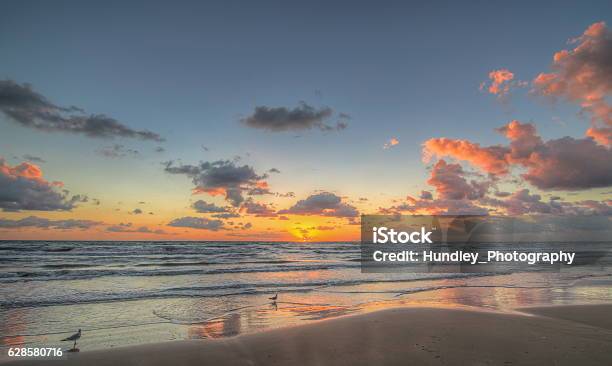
(383, 235)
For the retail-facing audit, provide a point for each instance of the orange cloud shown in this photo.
(602, 135)
(392, 142)
(490, 159)
(217, 191)
(500, 81)
(564, 163)
(25, 170)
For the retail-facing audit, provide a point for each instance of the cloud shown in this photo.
(128, 228)
(201, 223)
(222, 177)
(603, 208)
(273, 170)
(39, 222)
(33, 159)
(392, 142)
(30, 109)
(117, 151)
(258, 209)
(436, 207)
(302, 117)
(259, 189)
(501, 82)
(323, 204)
(202, 206)
(22, 187)
(136, 211)
(426, 195)
(490, 159)
(570, 164)
(523, 202)
(450, 183)
(563, 164)
(583, 75)
(226, 215)
(455, 195)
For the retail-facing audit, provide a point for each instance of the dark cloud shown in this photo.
(39, 222)
(570, 164)
(197, 223)
(324, 204)
(523, 202)
(436, 207)
(603, 208)
(34, 159)
(202, 206)
(222, 177)
(117, 151)
(30, 109)
(258, 209)
(450, 183)
(426, 195)
(302, 117)
(22, 187)
(128, 228)
(226, 215)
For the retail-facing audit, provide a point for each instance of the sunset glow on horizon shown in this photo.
(295, 146)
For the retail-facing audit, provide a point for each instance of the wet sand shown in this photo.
(561, 335)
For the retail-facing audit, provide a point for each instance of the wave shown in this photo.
(67, 274)
(235, 289)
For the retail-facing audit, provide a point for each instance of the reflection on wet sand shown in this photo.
(13, 324)
(227, 326)
(226, 316)
(504, 294)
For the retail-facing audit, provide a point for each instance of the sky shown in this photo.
(288, 120)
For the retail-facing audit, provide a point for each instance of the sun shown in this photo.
(305, 231)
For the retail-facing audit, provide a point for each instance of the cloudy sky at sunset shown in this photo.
(287, 121)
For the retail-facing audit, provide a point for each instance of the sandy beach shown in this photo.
(559, 335)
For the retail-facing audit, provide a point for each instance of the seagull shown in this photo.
(273, 298)
(74, 338)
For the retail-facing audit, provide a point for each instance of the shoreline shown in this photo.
(560, 335)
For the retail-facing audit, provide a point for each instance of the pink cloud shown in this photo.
(490, 159)
(392, 142)
(566, 163)
(583, 75)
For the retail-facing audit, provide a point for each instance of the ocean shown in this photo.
(124, 293)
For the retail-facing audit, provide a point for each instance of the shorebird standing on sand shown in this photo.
(74, 338)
